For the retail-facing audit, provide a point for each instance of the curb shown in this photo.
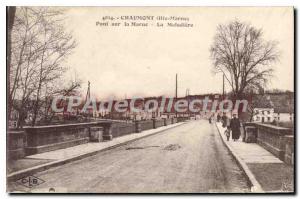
(30, 171)
(255, 186)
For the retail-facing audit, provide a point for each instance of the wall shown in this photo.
(289, 149)
(48, 138)
(182, 119)
(284, 117)
(263, 114)
(167, 121)
(273, 138)
(120, 129)
(174, 120)
(158, 123)
(147, 124)
(41, 139)
(16, 141)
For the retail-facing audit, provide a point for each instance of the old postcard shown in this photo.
(150, 100)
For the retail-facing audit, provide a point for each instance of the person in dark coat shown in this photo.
(218, 117)
(235, 127)
(224, 120)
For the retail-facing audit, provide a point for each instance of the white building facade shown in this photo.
(263, 115)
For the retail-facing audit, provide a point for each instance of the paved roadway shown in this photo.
(188, 158)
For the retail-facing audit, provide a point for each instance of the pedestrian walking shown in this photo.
(224, 120)
(218, 117)
(235, 127)
(227, 133)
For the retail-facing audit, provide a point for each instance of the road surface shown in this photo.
(189, 158)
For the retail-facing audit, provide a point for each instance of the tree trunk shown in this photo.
(11, 11)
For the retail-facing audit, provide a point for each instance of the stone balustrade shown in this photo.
(167, 121)
(146, 125)
(120, 129)
(158, 123)
(174, 120)
(41, 139)
(48, 138)
(273, 138)
(182, 119)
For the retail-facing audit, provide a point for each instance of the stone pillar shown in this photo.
(289, 150)
(96, 134)
(165, 121)
(138, 126)
(16, 144)
(107, 131)
(174, 120)
(154, 123)
(251, 133)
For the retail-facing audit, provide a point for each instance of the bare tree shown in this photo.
(24, 60)
(240, 53)
(56, 46)
(40, 46)
(69, 90)
(11, 11)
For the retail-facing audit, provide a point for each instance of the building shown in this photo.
(283, 106)
(263, 109)
(273, 107)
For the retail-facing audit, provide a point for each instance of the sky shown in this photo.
(143, 61)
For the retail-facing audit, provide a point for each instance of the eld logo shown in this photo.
(30, 181)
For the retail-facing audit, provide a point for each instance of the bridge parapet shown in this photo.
(158, 123)
(52, 137)
(40, 139)
(275, 139)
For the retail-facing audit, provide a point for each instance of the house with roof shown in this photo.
(283, 106)
(274, 106)
(263, 109)
(283, 114)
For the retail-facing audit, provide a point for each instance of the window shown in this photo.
(269, 119)
(257, 118)
(263, 112)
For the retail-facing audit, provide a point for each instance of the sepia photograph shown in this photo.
(145, 100)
